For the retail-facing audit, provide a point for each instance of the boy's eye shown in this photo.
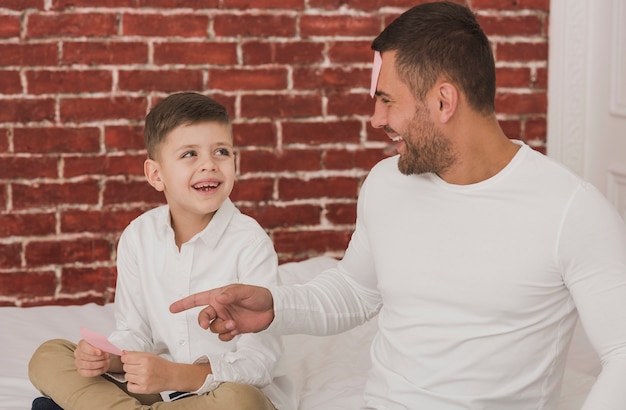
(223, 152)
(189, 154)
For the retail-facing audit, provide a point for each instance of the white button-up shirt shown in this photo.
(153, 273)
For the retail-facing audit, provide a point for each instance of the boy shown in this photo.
(198, 240)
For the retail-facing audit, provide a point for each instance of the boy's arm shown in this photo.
(147, 373)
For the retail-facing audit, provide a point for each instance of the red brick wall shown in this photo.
(76, 81)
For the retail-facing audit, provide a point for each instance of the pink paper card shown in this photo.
(378, 61)
(99, 341)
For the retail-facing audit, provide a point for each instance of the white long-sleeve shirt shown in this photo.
(478, 288)
(153, 273)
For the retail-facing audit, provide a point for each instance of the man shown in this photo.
(478, 253)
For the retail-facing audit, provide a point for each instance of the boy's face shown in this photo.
(195, 168)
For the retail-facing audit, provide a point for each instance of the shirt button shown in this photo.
(182, 342)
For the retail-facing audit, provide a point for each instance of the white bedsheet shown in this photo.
(329, 372)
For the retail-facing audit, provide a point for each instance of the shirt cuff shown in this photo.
(210, 383)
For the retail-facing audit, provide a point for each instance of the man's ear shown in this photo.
(152, 171)
(448, 96)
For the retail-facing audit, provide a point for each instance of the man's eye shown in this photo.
(189, 154)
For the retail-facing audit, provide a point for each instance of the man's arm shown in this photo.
(593, 253)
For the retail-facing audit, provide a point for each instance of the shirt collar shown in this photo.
(212, 233)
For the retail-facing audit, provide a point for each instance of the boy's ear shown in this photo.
(448, 101)
(153, 175)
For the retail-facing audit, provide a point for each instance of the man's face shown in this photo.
(409, 124)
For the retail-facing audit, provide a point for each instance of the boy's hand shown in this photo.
(91, 361)
(146, 373)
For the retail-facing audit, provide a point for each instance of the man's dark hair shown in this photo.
(442, 39)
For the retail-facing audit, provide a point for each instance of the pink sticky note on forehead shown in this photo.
(97, 340)
(378, 61)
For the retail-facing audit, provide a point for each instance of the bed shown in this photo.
(328, 371)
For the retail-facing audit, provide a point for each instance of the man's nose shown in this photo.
(378, 119)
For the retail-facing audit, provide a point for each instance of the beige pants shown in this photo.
(52, 371)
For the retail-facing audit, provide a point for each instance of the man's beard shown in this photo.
(427, 150)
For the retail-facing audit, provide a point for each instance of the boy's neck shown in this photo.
(186, 226)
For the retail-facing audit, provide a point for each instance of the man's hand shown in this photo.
(231, 310)
(91, 361)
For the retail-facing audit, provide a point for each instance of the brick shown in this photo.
(281, 106)
(331, 79)
(347, 25)
(328, 187)
(9, 26)
(527, 25)
(511, 128)
(4, 139)
(304, 242)
(122, 192)
(513, 77)
(29, 167)
(195, 53)
(521, 51)
(30, 224)
(340, 159)
(35, 195)
(98, 221)
(10, 256)
(3, 197)
(100, 52)
(341, 213)
(71, 25)
(86, 109)
(78, 280)
(264, 4)
(542, 5)
(292, 53)
(109, 165)
(529, 103)
(63, 252)
(376, 134)
(19, 5)
(26, 110)
(10, 82)
(535, 128)
(342, 104)
(160, 80)
(368, 5)
(123, 138)
(253, 189)
(48, 140)
(26, 54)
(159, 25)
(541, 80)
(28, 284)
(277, 161)
(68, 81)
(350, 51)
(271, 217)
(64, 4)
(321, 132)
(246, 25)
(125, 164)
(248, 79)
(260, 134)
